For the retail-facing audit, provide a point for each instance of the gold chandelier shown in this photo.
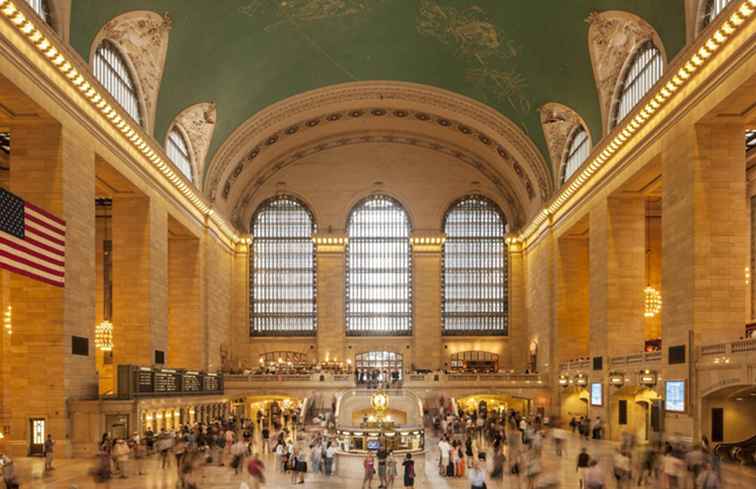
(104, 336)
(653, 302)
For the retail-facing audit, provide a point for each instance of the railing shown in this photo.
(740, 346)
(636, 359)
(577, 364)
(410, 380)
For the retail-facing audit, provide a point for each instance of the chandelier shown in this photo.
(104, 336)
(653, 302)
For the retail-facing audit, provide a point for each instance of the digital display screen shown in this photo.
(373, 445)
(597, 394)
(674, 396)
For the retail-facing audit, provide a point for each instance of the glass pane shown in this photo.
(644, 72)
(577, 153)
(110, 69)
(178, 152)
(475, 270)
(282, 269)
(378, 265)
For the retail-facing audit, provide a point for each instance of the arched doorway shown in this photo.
(378, 367)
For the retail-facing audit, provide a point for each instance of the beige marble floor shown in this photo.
(73, 473)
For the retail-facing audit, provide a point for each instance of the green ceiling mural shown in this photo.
(514, 55)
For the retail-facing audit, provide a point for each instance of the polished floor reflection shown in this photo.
(74, 474)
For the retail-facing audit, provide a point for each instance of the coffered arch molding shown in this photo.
(508, 198)
(382, 105)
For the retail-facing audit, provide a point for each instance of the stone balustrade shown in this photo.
(435, 380)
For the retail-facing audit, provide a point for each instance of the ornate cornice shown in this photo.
(142, 37)
(513, 209)
(558, 122)
(612, 37)
(379, 99)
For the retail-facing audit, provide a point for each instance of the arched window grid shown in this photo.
(178, 151)
(42, 9)
(578, 151)
(283, 270)
(645, 70)
(378, 269)
(712, 10)
(111, 70)
(474, 269)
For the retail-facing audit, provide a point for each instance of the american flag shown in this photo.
(32, 241)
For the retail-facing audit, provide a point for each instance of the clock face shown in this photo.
(380, 401)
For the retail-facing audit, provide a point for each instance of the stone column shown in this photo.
(618, 276)
(426, 257)
(186, 328)
(140, 309)
(52, 168)
(330, 296)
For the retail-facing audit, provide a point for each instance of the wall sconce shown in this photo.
(564, 380)
(648, 378)
(581, 380)
(617, 379)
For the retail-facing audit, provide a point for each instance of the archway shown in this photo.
(728, 416)
(630, 412)
(574, 403)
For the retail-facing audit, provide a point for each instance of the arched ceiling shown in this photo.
(248, 55)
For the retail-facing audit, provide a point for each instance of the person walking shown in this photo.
(121, 457)
(49, 449)
(238, 451)
(477, 477)
(256, 470)
(9, 472)
(330, 453)
(583, 462)
(409, 471)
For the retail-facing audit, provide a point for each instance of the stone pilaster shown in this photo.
(572, 298)
(618, 273)
(186, 326)
(53, 169)
(140, 309)
(518, 331)
(330, 297)
(427, 303)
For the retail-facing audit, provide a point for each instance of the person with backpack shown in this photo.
(409, 471)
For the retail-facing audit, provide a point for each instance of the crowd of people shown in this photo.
(495, 447)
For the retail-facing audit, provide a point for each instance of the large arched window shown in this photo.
(712, 8)
(111, 70)
(178, 152)
(42, 9)
(474, 269)
(282, 269)
(645, 70)
(378, 269)
(580, 147)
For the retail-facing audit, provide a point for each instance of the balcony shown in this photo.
(437, 380)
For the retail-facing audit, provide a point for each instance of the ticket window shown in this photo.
(37, 442)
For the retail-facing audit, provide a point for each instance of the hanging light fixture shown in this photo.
(104, 336)
(652, 299)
